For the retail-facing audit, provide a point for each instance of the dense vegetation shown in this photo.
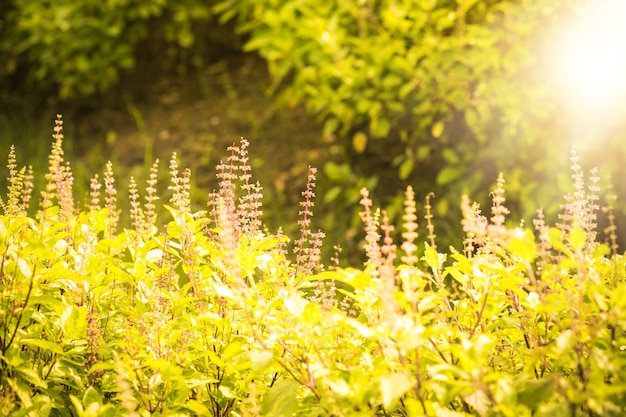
(82, 47)
(215, 315)
(435, 93)
(137, 301)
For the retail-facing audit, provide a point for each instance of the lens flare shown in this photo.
(587, 60)
(593, 69)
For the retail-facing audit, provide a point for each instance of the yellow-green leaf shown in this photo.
(24, 267)
(260, 360)
(42, 344)
(406, 167)
(437, 129)
(394, 386)
(359, 141)
(448, 174)
(577, 238)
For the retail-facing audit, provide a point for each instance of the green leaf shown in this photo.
(448, 174)
(431, 257)
(336, 172)
(471, 118)
(380, 127)
(565, 341)
(330, 126)
(423, 152)
(332, 194)
(577, 238)
(22, 389)
(427, 4)
(312, 314)
(102, 366)
(196, 408)
(281, 399)
(43, 344)
(25, 269)
(13, 357)
(92, 396)
(49, 301)
(536, 391)
(450, 156)
(523, 247)
(261, 360)
(393, 387)
(234, 348)
(555, 238)
(359, 142)
(458, 276)
(31, 377)
(227, 392)
(74, 322)
(479, 401)
(185, 38)
(354, 278)
(437, 129)
(406, 167)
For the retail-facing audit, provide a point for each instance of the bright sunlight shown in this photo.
(588, 56)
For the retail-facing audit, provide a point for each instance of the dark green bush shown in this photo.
(83, 46)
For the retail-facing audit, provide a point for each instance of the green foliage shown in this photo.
(435, 90)
(373, 63)
(212, 315)
(439, 91)
(82, 46)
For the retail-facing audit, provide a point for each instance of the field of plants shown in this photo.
(209, 313)
(401, 231)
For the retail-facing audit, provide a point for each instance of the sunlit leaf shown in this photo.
(43, 344)
(359, 142)
(261, 360)
(74, 322)
(280, 400)
(431, 257)
(437, 129)
(91, 396)
(25, 269)
(577, 238)
(524, 248)
(312, 314)
(479, 402)
(393, 387)
(31, 376)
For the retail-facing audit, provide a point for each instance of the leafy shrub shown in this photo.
(433, 90)
(82, 46)
(213, 315)
(368, 66)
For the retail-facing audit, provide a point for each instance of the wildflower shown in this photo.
(410, 225)
(308, 247)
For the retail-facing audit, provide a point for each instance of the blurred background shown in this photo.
(439, 94)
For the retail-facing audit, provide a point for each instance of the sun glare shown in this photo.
(586, 71)
(588, 54)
